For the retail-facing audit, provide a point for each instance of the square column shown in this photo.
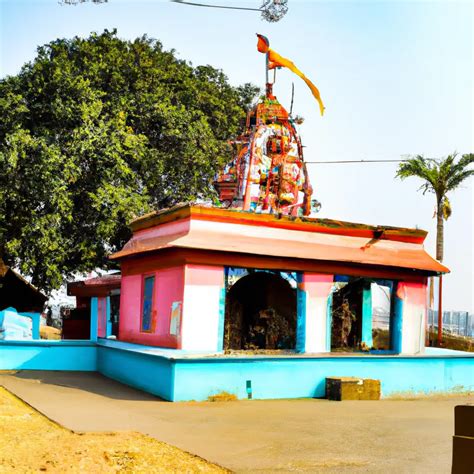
(414, 305)
(94, 327)
(202, 323)
(367, 317)
(312, 325)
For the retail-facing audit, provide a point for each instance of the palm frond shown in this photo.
(422, 168)
(456, 180)
(463, 163)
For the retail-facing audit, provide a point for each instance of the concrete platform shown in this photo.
(186, 376)
(305, 435)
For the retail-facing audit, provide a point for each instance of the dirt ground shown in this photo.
(29, 442)
(258, 436)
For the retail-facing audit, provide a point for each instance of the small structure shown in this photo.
(18, 293)
(20, 302)
(97, 308)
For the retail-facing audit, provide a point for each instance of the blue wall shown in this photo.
(305, 377)
(35, 323)
(150, 373)
(172, 375)
(47, 355)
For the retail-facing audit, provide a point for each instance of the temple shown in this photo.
(259, 272)
(208, 279)
(256, 295)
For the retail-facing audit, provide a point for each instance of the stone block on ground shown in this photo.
(352, 388)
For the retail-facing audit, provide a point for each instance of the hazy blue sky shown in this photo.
(396, 79)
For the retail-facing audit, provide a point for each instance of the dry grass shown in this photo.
(48, 332)
(457, 343)
(222, 397)
(456, 393)
(29, 443)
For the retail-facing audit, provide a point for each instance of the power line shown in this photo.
(352, 161)
(195, 4)
(271, 10)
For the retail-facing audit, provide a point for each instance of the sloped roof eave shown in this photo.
(343, 249)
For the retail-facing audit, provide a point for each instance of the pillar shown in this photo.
(314, 290)
(396, 322)
(414, 298)
(94, 318)
(367, 317)
(202, 318)
(108, 327)
(300, 315)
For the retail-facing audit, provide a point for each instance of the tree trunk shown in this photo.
(439, 257)
(439, 231)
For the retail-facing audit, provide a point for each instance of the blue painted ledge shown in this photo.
(179, 375)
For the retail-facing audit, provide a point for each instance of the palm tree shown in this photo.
(440, 177)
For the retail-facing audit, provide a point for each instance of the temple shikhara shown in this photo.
(268, 173)
(259, 297)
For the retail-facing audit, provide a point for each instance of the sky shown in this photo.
(396, 78)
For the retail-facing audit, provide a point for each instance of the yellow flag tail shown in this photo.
(275, 60)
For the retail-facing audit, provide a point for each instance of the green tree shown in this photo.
(440, 177)
(97, 131)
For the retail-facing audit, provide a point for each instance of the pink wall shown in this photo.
(413, 292)
(169, 288)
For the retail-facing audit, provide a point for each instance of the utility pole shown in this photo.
(440, 311)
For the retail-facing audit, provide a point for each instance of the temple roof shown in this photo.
(17, 292)
(216, 229)
(98, 286)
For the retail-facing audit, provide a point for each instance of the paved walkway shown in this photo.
(389, 436)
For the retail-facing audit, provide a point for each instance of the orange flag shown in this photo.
(275, 60)
(263, 44)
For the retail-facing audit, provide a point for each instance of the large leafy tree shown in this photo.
(96, 131)
(439, 177)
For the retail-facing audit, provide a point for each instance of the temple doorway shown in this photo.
(260, 312)
(362, 314)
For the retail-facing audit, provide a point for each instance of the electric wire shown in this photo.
(352, 161)
(195, 4)
(359, 161)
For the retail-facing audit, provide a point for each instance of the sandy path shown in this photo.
(257, 436)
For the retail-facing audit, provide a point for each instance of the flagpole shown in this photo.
(267, 61)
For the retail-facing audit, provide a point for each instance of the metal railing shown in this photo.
(460, 323)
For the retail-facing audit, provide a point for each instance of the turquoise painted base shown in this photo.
(295, 378)
(178, 376)
(150, 373)
(48, 355)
